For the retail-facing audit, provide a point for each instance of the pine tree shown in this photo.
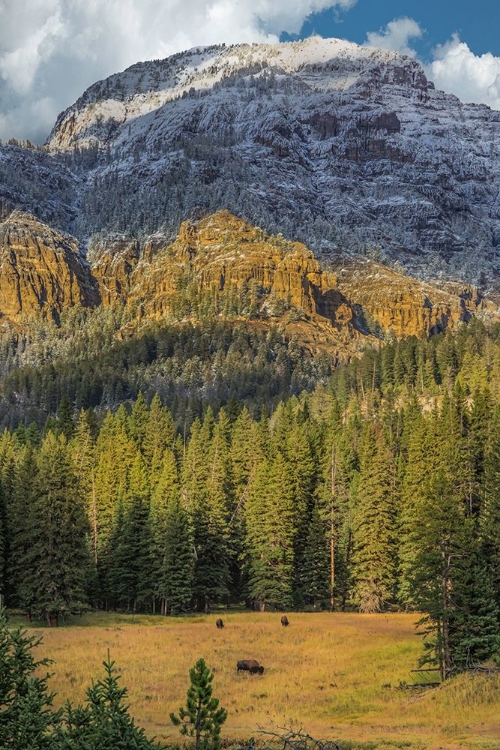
(202, 718)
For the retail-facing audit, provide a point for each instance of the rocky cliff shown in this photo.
(41, 270)
(223, 266)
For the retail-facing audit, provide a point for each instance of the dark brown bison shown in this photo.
(249, 665)
(284, 621)
(219, 622)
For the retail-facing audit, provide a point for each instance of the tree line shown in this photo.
(369, 493)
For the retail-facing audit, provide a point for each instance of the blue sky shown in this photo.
(52, 50)
(477, 24)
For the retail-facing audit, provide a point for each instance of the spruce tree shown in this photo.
(104, 721)
(22, 520)
(27, 716)
(314, 576)
(175, 579)
(374, 525)
(270, 535)
(57, 555)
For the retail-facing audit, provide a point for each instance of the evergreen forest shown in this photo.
(273, 480)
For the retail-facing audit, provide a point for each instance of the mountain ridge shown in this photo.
(222, 267)
(349, 150)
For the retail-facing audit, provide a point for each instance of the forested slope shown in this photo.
(378, 489)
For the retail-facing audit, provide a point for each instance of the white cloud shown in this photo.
(473, 78)
(395, 36)
(51, 50)
(454, 68)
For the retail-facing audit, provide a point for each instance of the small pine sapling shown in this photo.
(201, 718)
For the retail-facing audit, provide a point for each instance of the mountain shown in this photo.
(339, 146)
(41, 270)
(356, 185)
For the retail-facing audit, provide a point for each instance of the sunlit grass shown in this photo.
(334, 675)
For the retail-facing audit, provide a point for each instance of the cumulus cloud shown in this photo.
(51, 50)
(473, 78)
(454, 67)
(395, 36)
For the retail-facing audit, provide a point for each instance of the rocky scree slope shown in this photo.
(343, 147)
(222, 267)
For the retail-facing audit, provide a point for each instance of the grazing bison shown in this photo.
(284, 621)
(249, 665)
(219, 622)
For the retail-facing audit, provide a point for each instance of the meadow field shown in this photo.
(336, 676)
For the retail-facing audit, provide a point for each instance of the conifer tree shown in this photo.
(104, 721)
(441, 537)
(374, 525)
(21, 520)
(202, 718)
(27, 716)
(270, 535)
(130, 560)
(115, 453)
(314, 576)
(65, 424)
(489, 520)
(175, 576)
(205, 481)
(57, 555)
(138, 421)
(159, 434)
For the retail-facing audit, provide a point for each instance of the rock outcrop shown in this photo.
(41, 270)
(239, 269)
(223, 266)
(388, 300)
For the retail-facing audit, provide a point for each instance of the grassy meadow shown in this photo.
(333, 675)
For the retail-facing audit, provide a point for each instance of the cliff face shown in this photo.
(223, 266)
(41, 271)
(227, 260)
(391, 301)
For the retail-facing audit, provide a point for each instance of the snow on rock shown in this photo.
(346, 148)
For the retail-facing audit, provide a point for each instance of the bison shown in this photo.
(219, 622)
(284, 621)
(249, 665)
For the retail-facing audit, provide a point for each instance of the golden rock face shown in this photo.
(224, 260)
(41, 271)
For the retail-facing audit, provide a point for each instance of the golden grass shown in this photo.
(334, 675)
